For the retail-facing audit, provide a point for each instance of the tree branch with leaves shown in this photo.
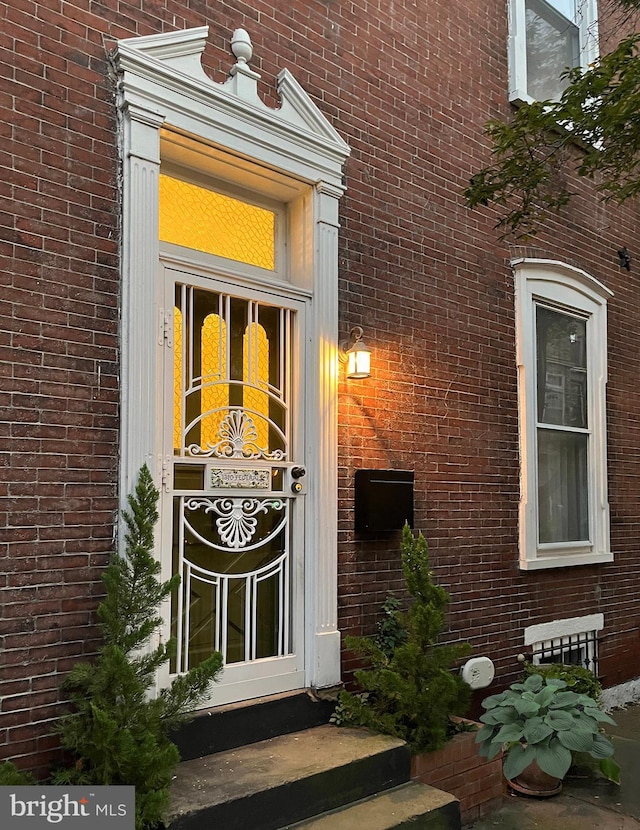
(593, 131)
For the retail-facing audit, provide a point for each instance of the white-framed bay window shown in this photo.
(561, 333)
(547, 37)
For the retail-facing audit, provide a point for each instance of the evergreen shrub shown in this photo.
(11, 776)
(408, 689)
(119, 728)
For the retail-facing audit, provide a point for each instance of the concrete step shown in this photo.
(283, 780)
(238, 724)
(413, 805)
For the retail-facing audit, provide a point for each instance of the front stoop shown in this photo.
(276, 783)
(238, 724)
(412, 806)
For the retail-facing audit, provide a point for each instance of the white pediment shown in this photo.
(173, 61)
(297, 108)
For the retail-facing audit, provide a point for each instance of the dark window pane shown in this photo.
(561, 368)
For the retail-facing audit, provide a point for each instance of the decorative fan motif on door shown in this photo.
(236, 522)
(238, 439)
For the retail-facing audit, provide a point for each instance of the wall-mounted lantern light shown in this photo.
(625, 258)
(357, 355)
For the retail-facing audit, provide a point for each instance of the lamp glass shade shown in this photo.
(359, 361)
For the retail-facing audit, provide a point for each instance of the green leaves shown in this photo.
(559, 720)
(598, 714)
(602, 747)
(117, 730)
(568, 699)
(11, 776)
(540, 719)
(610, 769)
(411, 691)
(525, 706)
(500, 715)
(129, 611)
(523, 177)
(553, 758)
(494, 700)
(577, 678)
(592, 131)
(517, 760)
(509, 733)
(545, 696)
(536, 730)
(577, 740)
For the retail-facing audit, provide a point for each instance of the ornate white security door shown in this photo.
(237, 483)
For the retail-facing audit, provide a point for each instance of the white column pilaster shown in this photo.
(324, 647)
(139, 311)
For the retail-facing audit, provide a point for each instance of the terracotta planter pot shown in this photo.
(535, 783)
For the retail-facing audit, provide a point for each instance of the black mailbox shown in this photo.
(383, 499)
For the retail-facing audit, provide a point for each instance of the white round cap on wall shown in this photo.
(478, 672)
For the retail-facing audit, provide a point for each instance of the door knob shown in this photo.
(298, 472)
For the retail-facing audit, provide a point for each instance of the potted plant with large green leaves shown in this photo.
(539, 724)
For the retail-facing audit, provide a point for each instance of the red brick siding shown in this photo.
(409, 87)
(458, 769)
(58, 360)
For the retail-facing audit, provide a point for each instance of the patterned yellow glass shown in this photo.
(215, 393)
(204, 220)
(177, 378)
(256, 372)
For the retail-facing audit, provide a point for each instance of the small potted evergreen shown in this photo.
(539, 724)
(408, 688)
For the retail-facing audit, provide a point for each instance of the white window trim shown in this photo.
(589, 46)
(558, 629)
(569, 289)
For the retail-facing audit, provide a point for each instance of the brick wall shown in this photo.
(457, 768)
(58, 358)
(409, 86)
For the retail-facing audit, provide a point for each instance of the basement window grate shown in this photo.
(572, 650)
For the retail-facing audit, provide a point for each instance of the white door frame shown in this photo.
(169, 108)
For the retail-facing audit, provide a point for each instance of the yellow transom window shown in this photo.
(211, 222)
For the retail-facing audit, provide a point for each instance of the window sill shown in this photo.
(564, 560)
(518, 97)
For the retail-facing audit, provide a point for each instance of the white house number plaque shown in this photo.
(239, 479)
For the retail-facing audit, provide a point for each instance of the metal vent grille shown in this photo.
(572, 650)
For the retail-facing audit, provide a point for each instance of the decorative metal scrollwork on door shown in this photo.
(231, 377)
(236, 522)
(238, 438)
(232, 392)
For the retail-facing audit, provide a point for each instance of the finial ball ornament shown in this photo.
(241, 45)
